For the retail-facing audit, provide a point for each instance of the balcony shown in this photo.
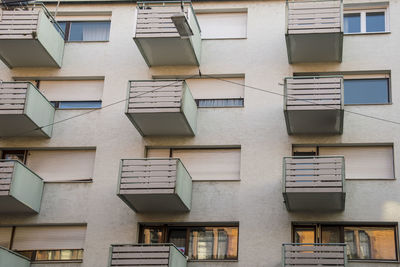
(314, 105)
(10, 258)
(162, 107)
(320, 255)
(314, 31)
(314, 183)
(155, 185)
(30, 37)
(165, 255)
(20, 189)
(167, 33)
(23, 110)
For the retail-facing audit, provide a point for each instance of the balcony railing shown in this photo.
(314, 105)
(314, 31)
(20, 189)
(160, 255)
(321, 255)
(155, 185)
(314, 183)
(30, 37)
(167, 33)
(24, 110)
(161, 107)
(10, 258)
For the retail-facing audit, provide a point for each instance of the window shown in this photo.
(222, 25)
(366, 91)
(76, 104)
(205, 163)
(214, 93)
(73, 94)
(197, 242)
(86, 31)
(45, 243)
(14, 155)
(364, 242)
(362, 162)
(62, 165)
(366, 21)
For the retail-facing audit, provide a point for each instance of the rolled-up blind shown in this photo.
(5, 236)
(62, 165)
(223, 25)
(158, 153)
(364, 162)
(216, 89)
(49, 237)
(74, 90)
(210, 164)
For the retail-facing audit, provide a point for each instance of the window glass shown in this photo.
(375, 22)
(63, 26)
(89, 31)
(378, 243)
(352, 23)
(304, 235)
(14, 155)
(153, 236)
(76, 104)
(330, 234)
(366, 91)
(178, 238)
(219, 103)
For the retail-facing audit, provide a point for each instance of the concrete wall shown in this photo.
(256, 200)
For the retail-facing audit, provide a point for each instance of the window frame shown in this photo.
(342, 225)
(166, 228)
(67, 31)
(58, 103)
(363, 18)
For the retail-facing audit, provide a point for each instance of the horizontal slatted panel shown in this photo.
(155, 96)
(314, 174)
(314, 93)
(314, 255)
(155, 21)
(137, 255)
(148, 176)
(6, 172)
(314, 17)
(12, 97)
(19, 24)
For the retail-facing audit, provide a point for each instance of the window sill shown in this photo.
(365, 33)
(222, 38)
(105, 41)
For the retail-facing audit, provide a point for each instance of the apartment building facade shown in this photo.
(211, 133)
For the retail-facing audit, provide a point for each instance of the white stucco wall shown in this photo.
(256, 200)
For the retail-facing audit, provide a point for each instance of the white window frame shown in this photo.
(363, 18)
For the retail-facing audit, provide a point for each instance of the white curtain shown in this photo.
(95, 31)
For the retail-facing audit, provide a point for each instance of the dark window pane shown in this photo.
(377, 243)
(376, 22)
(14, 155)
(90, 31)
(330, 234)
(366, 91)
(79, 104)
(178, 238)
(352, 23)
(63, 26)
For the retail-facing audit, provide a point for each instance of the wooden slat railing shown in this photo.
(155, 21)
(313, 174)
(154, 255)
(155, 96)
(148, 176)
(305, 17)
(318, 255)
(319, 93)
(12, 97)
(6, 173)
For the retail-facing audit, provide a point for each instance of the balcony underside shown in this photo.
(155, 203)
(314, 121)
(25, 53)
(16, 124)
(315, 201)
(167, 51)
(161, 123)
(314, 47)
(10, 205)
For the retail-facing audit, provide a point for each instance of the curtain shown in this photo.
(96, 31)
